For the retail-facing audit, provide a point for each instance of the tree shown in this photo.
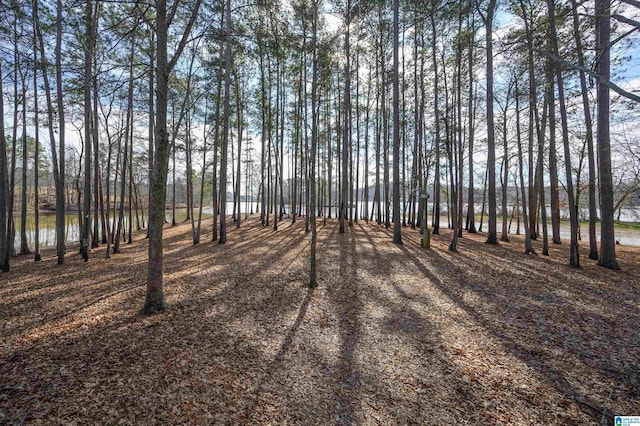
(491, 141)
(154, 301)
(471, 111)
(574, 259)
(4, 190)
(60, 182)
(603, 68)
(313, 273)
(36, 153)
(88, 118)
(528, 247)
(593, 213)
(225, 125)
(436, 107)
(397, 236)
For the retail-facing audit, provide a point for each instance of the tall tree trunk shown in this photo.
(283, 103)
(225, 126)
(4, 188)
(378, 127)
(116, 216)
(88, 117)
(131, 185)
(214, 168)
(154, 300)
(357, 179)
(603, 68)
(152, 118)
(346, 143)
(274, 141)
(491, 140)
(397, 233)
(205, 134)
(365, 186)
(471, 215)
(541, 126)
(97, 188)
(574, 259)
(593, 212)
(36, 155)
(127, 136)
(24, 244)
(528, 247)
(50, 123)
(533, 182)
(414, 194)
(505, 170)
(60, 207)
(436, 107)
(553, 161)
(313, 274)
(238, 165)
(11, 226)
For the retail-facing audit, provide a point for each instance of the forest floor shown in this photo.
(394, 334)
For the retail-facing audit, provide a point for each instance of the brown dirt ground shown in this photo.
(392, 335)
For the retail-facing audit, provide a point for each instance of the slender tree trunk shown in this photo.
(11, 226)
(528, 247)
(505, 171)
(127, 136)
(131, 185)
(152, 119)
(471, 111)
(239, 107)
(36, 155)
(225, 127)
(574, 259)
(415, 176)
(491, 141)
(365, 186)
(60, 207)
(397, 232)
(88, 117)
(553, 161)
(357, 196)
(274, 141)
(543, 205)
(593, 212)
(4, 189)
(436, 189)
(533, 183)
(346, 143)
(116, 215)
(205, 134)
(24, 244)
(313, 274)
(283, 103)
(214, 169)
(97, 188)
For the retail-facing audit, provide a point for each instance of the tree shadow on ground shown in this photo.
(510, 310)
(245, 341)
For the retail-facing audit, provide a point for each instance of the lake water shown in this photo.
(48, 234)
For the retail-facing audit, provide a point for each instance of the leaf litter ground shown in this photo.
(394, 334)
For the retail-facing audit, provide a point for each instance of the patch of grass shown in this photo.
(628, 225)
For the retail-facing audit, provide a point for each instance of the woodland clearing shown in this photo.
(393, 334)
